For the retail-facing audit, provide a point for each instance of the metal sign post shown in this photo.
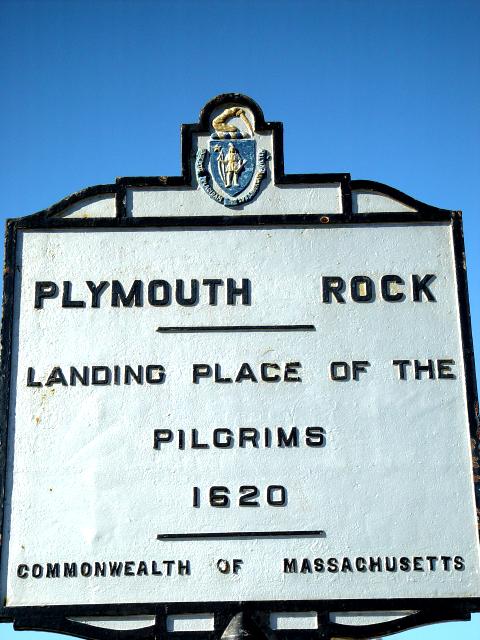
(237, 403)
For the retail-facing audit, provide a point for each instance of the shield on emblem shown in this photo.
(232, 164)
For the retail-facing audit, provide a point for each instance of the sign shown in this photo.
(237, 387)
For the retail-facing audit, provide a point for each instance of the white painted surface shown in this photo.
(293, 620)
(186, 201)
(394, 478)
(191, 622)
(362, 619)
(119, 623)
(193, 201)
(371, 202)
(96, 207)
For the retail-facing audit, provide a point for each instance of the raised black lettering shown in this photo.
(115, 569)
(195, 443)
(332, 565)
(67, 301)
(201, 371)
(44, 289)
(180, 293)
(153, 297)
(389, 286)
(37, 571)
(268, 437)
(390, 564)
(346, 565)
(402, 368)
(306, 566)
(222, 442)
(361, 564)
(362, 289)
(339, 371)
(319, 565)
(130, 374)
(161, 436)
(375, 564)
(101, 375)
(290, 566)
(31, 382)
(213, 285)
(244, 291)
(133, 298)
(96, 291)
(420, 287)
(266, 377)
(333, 286)
(248, 435)
(445, 370)
(420, 368)
(290, 440)
(70, 570)
(359, 366)
(155, 374)
(245, 373)
(53, 570)
(291, 372)
(218, 375)
(184, 568)
(315, 437)
(56, 377)
(22, 571)
(82, 378)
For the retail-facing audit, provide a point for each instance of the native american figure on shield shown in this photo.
(230, 165)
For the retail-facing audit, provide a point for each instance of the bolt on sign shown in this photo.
(237, 402)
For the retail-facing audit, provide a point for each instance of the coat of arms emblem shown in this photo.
(235, 170)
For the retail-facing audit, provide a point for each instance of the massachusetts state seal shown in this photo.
(234, 171)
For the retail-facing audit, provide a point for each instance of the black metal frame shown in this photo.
(254, 614)
(119, 189)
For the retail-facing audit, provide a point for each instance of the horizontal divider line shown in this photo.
(238, 328)
(241, 534)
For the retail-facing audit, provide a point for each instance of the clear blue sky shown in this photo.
(387, 90)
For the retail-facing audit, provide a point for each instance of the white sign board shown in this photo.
(237, 410)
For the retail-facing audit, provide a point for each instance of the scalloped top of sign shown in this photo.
(232, 163)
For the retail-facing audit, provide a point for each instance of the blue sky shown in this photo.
(387, 90)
